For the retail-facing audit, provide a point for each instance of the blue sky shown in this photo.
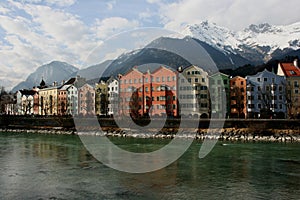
(35, 32)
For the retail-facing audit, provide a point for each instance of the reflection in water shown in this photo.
(59, 167)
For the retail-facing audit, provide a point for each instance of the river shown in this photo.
(38, 166)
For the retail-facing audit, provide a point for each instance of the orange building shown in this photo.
(238, 108)
(62, 100)
(149, 93)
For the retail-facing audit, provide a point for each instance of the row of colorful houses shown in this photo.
(163, 91)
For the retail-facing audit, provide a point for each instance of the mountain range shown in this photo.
(227, 49)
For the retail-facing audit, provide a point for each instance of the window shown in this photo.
(259, 97)
(188, 73)
(157, 79)
(219, 82)
(225, 82)
(189, 80)
(203, 80)
(212, 82)
(265, 79)
(174, 78)
(182, 80)
(168, 79)
(258, 79)
(146, 80)
(162, 79)
(196, 80)
(135, 81)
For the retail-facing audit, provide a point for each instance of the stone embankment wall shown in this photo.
(233, 129)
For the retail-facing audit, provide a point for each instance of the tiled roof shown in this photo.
(289, 69)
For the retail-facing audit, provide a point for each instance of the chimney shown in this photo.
(54, 83)
(63, 82)
(296, 63)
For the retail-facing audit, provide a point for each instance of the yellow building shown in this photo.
(48, 100)
(291, 72)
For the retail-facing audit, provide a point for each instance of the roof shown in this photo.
(65, 87)
(28, 92)
(289, 69)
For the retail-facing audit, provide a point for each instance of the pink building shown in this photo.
(86, 100)
(149, 93)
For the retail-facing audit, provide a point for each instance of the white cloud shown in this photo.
(113, 25)
(60, 3)
(115, 54)
(110, 4)
(232, 14)
(50, 34)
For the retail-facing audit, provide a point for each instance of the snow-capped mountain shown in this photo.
(256, 43)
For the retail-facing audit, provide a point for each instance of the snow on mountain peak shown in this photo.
(216, 36)
(264, 38)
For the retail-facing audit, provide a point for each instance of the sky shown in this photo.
(36, 32)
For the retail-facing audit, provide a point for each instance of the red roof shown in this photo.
(289, 69)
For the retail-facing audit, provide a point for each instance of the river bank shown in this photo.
(225, 134)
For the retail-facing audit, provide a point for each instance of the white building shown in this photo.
(266, 95)
(72, 98)
(193, 92)
(113, 95)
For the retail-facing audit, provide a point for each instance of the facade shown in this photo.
(291, 72)
(193, 92)
(63, 100)
(238, 97)
(131, 93)
(161, 92)
(86, 100)
(113, 96)
(266, 95)
(150, 93)
(8, 104)
(72, 98)
(219, 86)
(101, 98)
(25, 102)
(48, 100)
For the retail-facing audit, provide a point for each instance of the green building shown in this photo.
(219, 85)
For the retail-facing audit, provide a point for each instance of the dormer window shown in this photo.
(292, 72)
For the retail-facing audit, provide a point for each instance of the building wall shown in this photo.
(163, 93)
(72, 96)
(266, 96)
(113, 96)
(62, 102)
(238, 107)
(86, 100)
(219, 85)
(101, 98)
(193, 92)
(48, 101)
(293, 96)
(131, 93)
